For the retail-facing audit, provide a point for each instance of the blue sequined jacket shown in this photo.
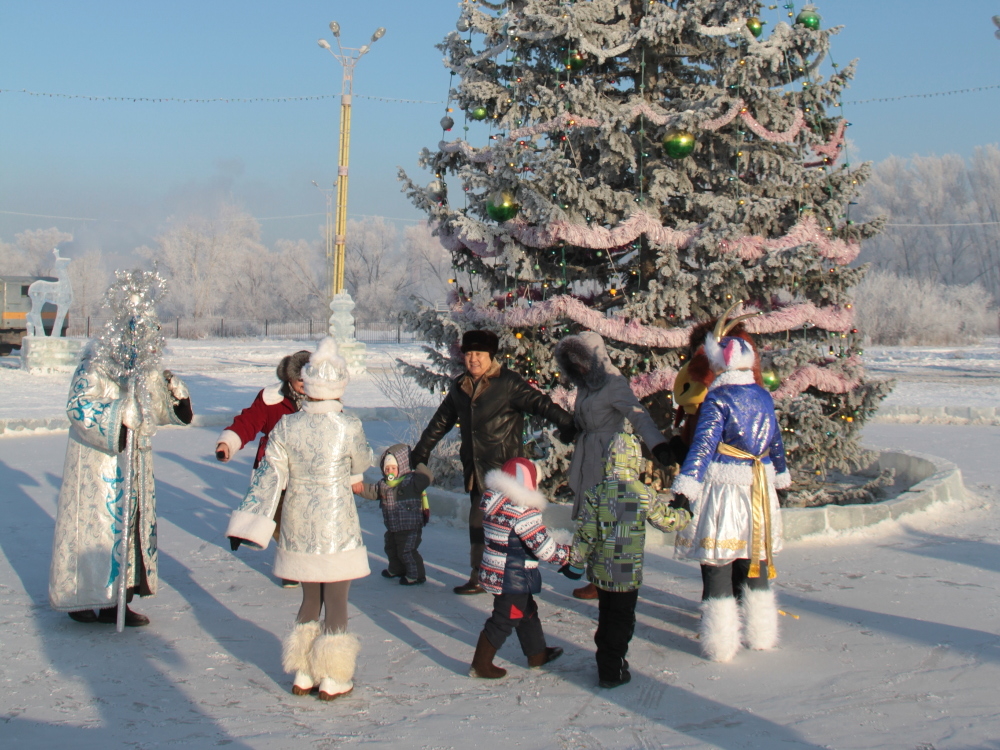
(740, 414)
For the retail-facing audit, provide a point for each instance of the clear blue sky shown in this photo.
(132, 165)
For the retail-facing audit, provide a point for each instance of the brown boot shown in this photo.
(482, 662)
(551, 653)
(586, 592)
(472, 586)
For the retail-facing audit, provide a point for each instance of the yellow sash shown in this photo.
(760, 504)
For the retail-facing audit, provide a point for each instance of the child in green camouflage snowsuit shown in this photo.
(609, 545)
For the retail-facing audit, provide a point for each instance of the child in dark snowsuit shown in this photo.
(609, 545)
(516, 539)
(405, 512)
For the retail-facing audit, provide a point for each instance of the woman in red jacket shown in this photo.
(271, 404)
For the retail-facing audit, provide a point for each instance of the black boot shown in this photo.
(109, 615)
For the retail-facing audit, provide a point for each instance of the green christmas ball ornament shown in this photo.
(771, 379)
(755, 26)
(808, 18)
(478, 113)
(678, 144)
(502, 206)
(575, 61)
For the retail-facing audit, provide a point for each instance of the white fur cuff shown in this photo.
(232, 440)
(252, 527)
(688, 486)
(782, 481)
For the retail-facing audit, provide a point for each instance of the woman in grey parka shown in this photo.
(604, 400)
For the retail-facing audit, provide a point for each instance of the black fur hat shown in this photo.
(290, 367)
(480, 341)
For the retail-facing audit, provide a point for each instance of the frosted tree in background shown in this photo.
(640, 166)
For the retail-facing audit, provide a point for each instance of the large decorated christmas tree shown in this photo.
(634, 167)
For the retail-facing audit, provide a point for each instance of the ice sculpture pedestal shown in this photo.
(45, 354)
(342, 330)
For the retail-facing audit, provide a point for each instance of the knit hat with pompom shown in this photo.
(325, 377)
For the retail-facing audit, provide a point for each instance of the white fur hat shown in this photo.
(325, 377)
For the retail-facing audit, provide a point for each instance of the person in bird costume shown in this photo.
(729, 478)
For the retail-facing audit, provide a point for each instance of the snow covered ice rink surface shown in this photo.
(895, 643)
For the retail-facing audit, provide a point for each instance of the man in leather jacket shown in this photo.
(488, 401)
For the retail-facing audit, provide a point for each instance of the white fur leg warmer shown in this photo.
(760, 619)
(297, 647)
(720, 629)
(334, 656)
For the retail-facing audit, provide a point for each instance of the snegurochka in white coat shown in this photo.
(315, 456)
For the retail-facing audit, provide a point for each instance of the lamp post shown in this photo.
(341, 322)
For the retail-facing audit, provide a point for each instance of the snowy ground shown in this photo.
(225, 374)
(894, 645)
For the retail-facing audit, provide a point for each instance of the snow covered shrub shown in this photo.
(895, 310)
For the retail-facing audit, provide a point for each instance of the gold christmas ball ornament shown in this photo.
(756, 27)
(502, 206)
(678, 143)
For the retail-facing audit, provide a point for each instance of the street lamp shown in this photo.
(348, 57)
(341, 304)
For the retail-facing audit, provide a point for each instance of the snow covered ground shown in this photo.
(890, 641)
(225, 374)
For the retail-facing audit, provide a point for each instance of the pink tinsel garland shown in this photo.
(661, 380)
(641, 223)
(831, 149)
(560, 122)
(635, 333)
(817, 377)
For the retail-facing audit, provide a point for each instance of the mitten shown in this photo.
(234, 543)
(177, 387)
(574, 574)
(667, 519)
(131, 415)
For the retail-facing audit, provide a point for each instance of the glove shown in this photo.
(574, 574)
(234, 543)
(176, 386)
(427, 515)
(566, 434)
(681, 502)
(666, 518)
(663, 454)
(131, 416)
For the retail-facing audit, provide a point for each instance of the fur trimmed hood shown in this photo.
(584, 360)
(514, 491)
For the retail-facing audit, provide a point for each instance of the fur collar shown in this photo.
(514, 491)
(322, 407)
(272, 394)
(733, 377)
(467, 383)
(584, 359)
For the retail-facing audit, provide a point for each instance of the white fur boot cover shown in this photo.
(760, 619)
(720, 628)
(295, 653)
(334, 657)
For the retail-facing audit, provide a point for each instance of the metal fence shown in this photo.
(376, 332)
